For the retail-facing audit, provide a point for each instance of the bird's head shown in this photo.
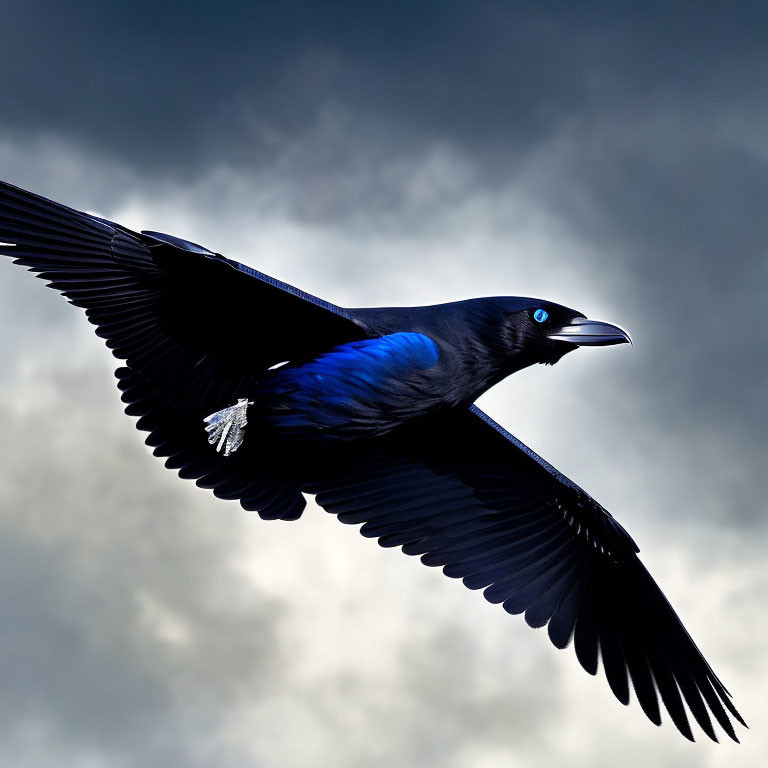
(537, 331)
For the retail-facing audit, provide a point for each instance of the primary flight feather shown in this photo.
(263, 393)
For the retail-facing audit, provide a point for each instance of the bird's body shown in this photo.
(263, 393)
(414, 362)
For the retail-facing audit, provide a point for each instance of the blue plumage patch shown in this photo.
(358, 385)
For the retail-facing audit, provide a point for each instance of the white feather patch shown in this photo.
(226, 427)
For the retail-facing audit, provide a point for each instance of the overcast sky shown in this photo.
(615, 161)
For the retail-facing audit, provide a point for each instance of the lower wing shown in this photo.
(463, 494)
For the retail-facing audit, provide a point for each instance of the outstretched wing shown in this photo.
(197, 331)
(194, 329)
(465, 495)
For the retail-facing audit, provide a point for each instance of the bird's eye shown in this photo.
(540, 315)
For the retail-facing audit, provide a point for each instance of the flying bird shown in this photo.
(263, 393)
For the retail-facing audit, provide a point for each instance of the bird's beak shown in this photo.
(590, 333)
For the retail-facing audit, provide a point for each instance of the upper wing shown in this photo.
(195, 329)
(469, 497)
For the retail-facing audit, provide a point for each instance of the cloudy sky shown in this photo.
(609, 159)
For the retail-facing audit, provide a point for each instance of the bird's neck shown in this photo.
(474, 356)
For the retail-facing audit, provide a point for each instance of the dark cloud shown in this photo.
(172, 91)
(607, 157)
(675, 207)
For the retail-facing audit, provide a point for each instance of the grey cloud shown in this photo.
(677, 215)
(289, 671)
(173, 92)
(608, 159)
(120, 608)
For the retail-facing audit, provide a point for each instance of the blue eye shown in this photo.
(540, 315)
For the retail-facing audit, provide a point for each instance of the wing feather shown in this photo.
(464, 494)
(180, 317)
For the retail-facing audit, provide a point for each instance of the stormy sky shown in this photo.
(608, 158)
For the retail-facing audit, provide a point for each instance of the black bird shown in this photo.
(263, 393)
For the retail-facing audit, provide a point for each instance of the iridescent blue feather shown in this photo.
(367, 384)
